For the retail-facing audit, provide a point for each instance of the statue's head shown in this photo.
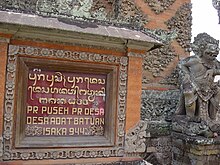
(206, 46)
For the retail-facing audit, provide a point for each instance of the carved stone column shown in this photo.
(3, 56)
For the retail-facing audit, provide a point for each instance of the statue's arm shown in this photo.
(185, 64)
(217, 70)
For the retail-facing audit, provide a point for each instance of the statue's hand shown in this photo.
(209, 74)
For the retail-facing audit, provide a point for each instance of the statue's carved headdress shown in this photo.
(200, 42)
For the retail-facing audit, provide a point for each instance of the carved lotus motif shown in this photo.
(124, 61)
(106, 153)
(40, 155)
(29, 50)
(45, 52)
(97, 57)
(60, 53)
(13, 50)
(25, 155)
(11, 67)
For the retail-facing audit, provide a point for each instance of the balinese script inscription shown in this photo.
(65, 103)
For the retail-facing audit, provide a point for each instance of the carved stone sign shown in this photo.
(64, 103)
(57, 101)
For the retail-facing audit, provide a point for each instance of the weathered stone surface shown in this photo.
(194, 150)
(198, 110)
(182, 22)
(158, 105)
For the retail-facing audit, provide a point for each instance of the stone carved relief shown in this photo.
(162, 154)
(182, 22)
(198, 110)
(159, 150)
(33, 131)
(145, 80)
(70, 8)
(159, 128)
(104, 12)
(159, 6)
(158, 105)
(171, 79)
(1, 147)
(163, 150)
(19, 5)
(135, 139)
(157, 60)
(129, 13)
(9, 153)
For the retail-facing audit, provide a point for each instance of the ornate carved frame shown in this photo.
(11, 152)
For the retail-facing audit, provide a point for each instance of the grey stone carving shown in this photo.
(135, 139)
(159, 6)
(159, 150)
(157, 60)
(129, 13)
(1, 147)
(171, 79)
(11, 154)
(19, 5)
(158, 105)
(78, 8)
(163, 150)
(110, 12)
(216, 4)
(182, 22)
(199, 101)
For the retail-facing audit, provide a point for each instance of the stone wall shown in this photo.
(160, 79)
(173, 19)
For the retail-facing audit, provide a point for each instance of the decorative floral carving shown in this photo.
(171, 79)
(25, 155)
(135, 139)
(33, 131)
(105, 12)
(1, 147)
(96, 130)
(129, 13)
(10, 153)
(158, 105)
(26, 6)
(145, 80)
(157, 60)
(162, 154)
(40, 155)
(182, 23)
(159, 6)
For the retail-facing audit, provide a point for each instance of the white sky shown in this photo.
(205, 18)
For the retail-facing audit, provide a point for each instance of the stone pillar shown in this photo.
(188, 150)
(3, 60)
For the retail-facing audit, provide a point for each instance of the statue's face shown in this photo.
(212, 51)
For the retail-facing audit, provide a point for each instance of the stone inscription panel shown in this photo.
(63, 104)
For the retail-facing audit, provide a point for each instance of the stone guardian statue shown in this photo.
(198, 108)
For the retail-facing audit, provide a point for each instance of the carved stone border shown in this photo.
(135, 139)
(9, 153)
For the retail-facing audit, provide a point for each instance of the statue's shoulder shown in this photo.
(190, 60)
